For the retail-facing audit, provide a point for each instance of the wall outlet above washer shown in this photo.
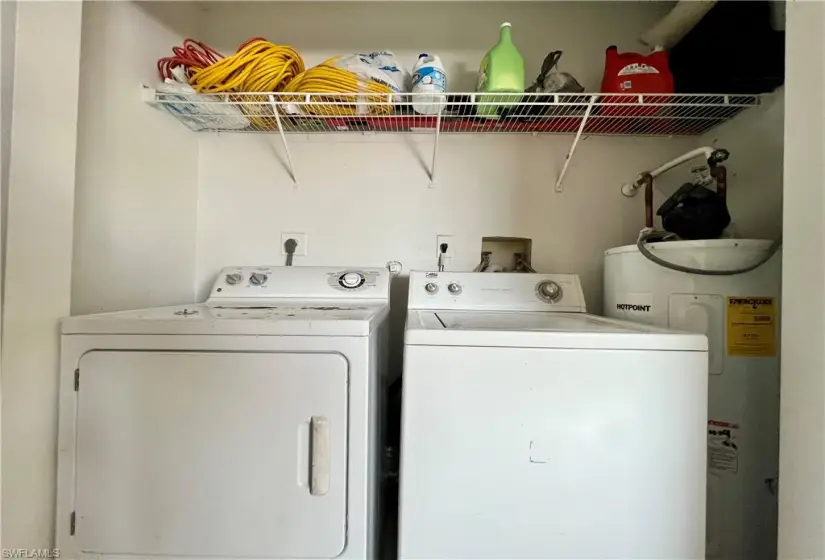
(448, 239)
(301, 238)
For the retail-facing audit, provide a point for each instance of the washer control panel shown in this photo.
(258, 278)
(351, 280)
(496, 291)
(549, 291)
(305, 282)
(356, 280)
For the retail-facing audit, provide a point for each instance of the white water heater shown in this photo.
(740, 316)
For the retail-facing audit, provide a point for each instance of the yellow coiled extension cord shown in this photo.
(261, 66)
(330, 79)
(258, 66)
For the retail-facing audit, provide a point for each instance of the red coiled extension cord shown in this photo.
(192, 54)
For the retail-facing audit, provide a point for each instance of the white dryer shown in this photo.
(531, 429)
(245, 427)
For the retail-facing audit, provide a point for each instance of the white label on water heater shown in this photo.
(723, 447)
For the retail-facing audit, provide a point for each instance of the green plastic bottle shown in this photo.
(502, 71)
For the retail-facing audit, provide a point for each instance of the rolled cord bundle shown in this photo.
(326, 78)
(262, 66)
(258, 66)
(186, 58)
(183, 101)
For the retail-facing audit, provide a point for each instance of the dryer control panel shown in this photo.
(300, 282)
(496, 291)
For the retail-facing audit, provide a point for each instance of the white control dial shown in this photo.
(431, 288)
(257, 279)
(454, 288)
(351, 280)
(549, 291)
(234, 278)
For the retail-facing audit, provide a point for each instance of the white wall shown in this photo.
(802, 419)
(137, 168)
(38, 262)
(756, 143)
(366, 201)
(134, 217)
(8, 35)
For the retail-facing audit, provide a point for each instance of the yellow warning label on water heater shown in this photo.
(751, 326)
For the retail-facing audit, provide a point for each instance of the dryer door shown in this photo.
(211, 454)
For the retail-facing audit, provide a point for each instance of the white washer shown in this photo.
(531, 429)
(245, 427)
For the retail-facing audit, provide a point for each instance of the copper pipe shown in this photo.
(721, 176)
(646, 179)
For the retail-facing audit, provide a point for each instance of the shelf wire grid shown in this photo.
(452, 113)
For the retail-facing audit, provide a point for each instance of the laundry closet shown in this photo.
(159, 209)
(365, 198)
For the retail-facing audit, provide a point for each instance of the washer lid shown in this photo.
(285, 317)
(542, 330)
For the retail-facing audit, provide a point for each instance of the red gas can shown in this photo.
(634, 73)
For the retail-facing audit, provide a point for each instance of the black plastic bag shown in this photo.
(695, 212)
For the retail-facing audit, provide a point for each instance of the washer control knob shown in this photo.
(351, 279)
(454, 288)
(234, 278)
(431, 288)
(549, 291)
(257, 279)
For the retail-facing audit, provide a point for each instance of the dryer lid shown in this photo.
(273, 317)
(263, 300)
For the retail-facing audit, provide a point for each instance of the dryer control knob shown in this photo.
(431, 288)
(549, 291)
(351, 279)
(454, 288)
(234, 278)
(257, 279)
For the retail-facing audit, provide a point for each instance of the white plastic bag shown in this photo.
(380, 66)
(200, 111)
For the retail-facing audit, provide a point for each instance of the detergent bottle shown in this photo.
(502, 71)
(429, 82)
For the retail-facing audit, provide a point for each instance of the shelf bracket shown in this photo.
(560, 180)
(435, 146)
(283, 139)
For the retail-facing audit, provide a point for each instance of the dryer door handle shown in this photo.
(320, 455)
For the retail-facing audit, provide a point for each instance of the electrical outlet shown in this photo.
(448, 239)
(301, 238)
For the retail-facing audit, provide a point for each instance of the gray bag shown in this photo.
(550, 80)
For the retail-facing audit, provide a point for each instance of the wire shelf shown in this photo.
(453, 113)
(456, 113)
